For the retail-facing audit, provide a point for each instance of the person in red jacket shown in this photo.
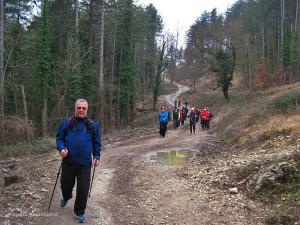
(179, 101)
(204, 115)
(182, 115)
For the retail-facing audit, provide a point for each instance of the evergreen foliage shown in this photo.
(223, 67)
(45, 54)
(127, 66)
(59, 63)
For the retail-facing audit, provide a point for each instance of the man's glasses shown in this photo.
(83, 108)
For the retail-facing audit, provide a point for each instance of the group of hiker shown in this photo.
(204, 115)
(179, 115)
(178, 102)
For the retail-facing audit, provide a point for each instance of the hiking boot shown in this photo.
(63, 202)
(80, 218)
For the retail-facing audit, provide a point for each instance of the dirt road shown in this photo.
(142, 180)
(180, 179)
(132, 188)
(171, 97)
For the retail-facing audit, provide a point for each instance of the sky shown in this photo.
(181, 14)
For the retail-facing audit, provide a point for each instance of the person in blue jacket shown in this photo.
(163, 119)
(78, 141)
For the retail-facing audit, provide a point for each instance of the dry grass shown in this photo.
(248, 118)
(247, 123)
(15, 130)
(251, 121)
(36, 147)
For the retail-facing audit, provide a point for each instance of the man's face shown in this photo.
(81, 109)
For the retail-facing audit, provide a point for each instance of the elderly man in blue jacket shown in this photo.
(79, 143)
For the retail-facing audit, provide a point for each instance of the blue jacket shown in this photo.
(80, 142)
(163, 116)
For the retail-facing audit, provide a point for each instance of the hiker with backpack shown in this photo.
(186, 112)
(192, 117)
(204, 115)
(182, 115)
(210, 115)
(179, 101)
(78, 141)
(176, 118)
(163, 119)
(197, 112)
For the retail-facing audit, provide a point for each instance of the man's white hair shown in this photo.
(81, 100)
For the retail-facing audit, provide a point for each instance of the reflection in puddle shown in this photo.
(176, 157)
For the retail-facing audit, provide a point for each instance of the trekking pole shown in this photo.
(54, 186)
(92, 181)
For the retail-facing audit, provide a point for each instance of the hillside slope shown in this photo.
(212, 187)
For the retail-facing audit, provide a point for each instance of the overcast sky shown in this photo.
(182, 14)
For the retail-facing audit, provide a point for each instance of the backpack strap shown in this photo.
(72, 122)
(88, 123)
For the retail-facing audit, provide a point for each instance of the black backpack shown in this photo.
(89, 126)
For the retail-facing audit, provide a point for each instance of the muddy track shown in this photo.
(131, 188)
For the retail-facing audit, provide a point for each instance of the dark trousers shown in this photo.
(208, 123)
(204, 124)
(192, 127)
(163, 128)
(182, 122)
(175, 123)
(82, 175)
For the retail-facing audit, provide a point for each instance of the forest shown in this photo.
(114, 52)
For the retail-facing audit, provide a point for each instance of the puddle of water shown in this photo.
(176, 157)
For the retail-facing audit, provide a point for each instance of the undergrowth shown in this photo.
(249, 121)
(285, 103)
(283, 200)
(39, 146)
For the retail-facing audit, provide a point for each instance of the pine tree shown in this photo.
(127, 67)
(45, 66)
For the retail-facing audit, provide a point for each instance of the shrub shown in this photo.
(287, 102)
(37, 147)
(15, 130)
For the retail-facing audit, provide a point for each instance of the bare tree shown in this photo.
(298, 31)
(76, 15)
(112, 76)
(25, 113)
(1, 63)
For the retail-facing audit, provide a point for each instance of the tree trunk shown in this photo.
(282, 8)
(225, 92)
(298, 32)
(25, 114)
(45, 119)
(112, 77)
(263, 45)
(1, 63)
(144, 78)
(76, 15)
(101, 75)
